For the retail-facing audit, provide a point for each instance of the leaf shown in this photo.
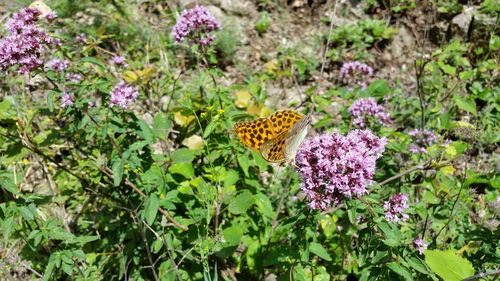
(448, 265)
(50, 101)
(151, 208)
(7, 183)
(232, 235)
(241, 202)
(417, 264)
(210, 128)
(185, 169)
(182, 155)
(7, 227)
(48, 270)
(95, 61)
(117, 172)
(243, 97)
(320, 251)
(161, 125)
(468, 105)
(146, 132)
(193, 142)
(8, 110)
(402, 271)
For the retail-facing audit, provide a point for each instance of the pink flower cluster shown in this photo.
(333, 166)
(422, 138)
(119, 60)
(58, 65)
(25, 42)
(362, 108)
(356, 73)
(123, 94)
(195, 24)
(67, 100)
(420, 245)
(395, 207)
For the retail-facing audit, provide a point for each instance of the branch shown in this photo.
(482, 275)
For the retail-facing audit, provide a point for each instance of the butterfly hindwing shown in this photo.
(274, 150)
(255, 133)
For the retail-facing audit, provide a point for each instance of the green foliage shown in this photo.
(163, 189)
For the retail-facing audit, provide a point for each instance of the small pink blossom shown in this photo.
(123, 95)
(395, 207)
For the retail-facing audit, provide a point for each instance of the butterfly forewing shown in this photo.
(284, 120)
(255, 133)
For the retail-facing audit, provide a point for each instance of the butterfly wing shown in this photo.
(274, 149)
(255, 133)
(295, 137)
(284, 120)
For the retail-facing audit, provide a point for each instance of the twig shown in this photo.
(404, 173)
(148, 252)
(323, 59)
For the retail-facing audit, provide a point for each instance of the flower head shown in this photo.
(58, 65)
(195, 24)
(395, 207)
(119, 60)
(74, 77)
(356, 73)
(422, 138)
(362, 108)
(25, 42)
(66, 100)
(51, 15)
(81, 39)
(420, 245)
(123, 94)
(333, 166)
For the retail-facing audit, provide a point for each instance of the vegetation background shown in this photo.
(162, 190)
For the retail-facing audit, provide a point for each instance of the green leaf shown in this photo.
(241, 202)
(50, 100)
(7, 227)
(161, 125)
(146, 132)
(59, 233)
(48, 270)
(117, 172)
(184, 169)
(182, 155)
(448, 265)
(232, 235)
(151, 208)
(379, 88)
(95, 61)
(468, 105)
(318, 250)
(7, 183)
(403, 271)
(417, 264)
(209, 129)
(8, 110)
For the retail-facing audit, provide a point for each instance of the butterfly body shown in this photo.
(277, 137)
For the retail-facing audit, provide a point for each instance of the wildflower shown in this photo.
(119, 60)
(362, 108)
(123, 94)
(420, 245)
(51, 16)
(333, 166)
(25, 42)
(356, 73)
(422, 138)
(81, 39)
(74, 77)
(395, 207)
(58, 65)
(66, 100)
(196, 25)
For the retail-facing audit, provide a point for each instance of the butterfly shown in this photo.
(42, 7)
(277, 137)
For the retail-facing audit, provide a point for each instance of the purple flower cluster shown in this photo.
(81, 39)
(395, 207)
(123, 94)
(362, 108)
(356, 73)
(58, 65)
(25, 42)
(420, 245)
(333, 166)
(196, 25)
(66, 100)
(422, 138)
(119, 60)
(74, 77)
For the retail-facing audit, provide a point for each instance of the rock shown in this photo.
(460, 24)
(402, 43)
(238, 7)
